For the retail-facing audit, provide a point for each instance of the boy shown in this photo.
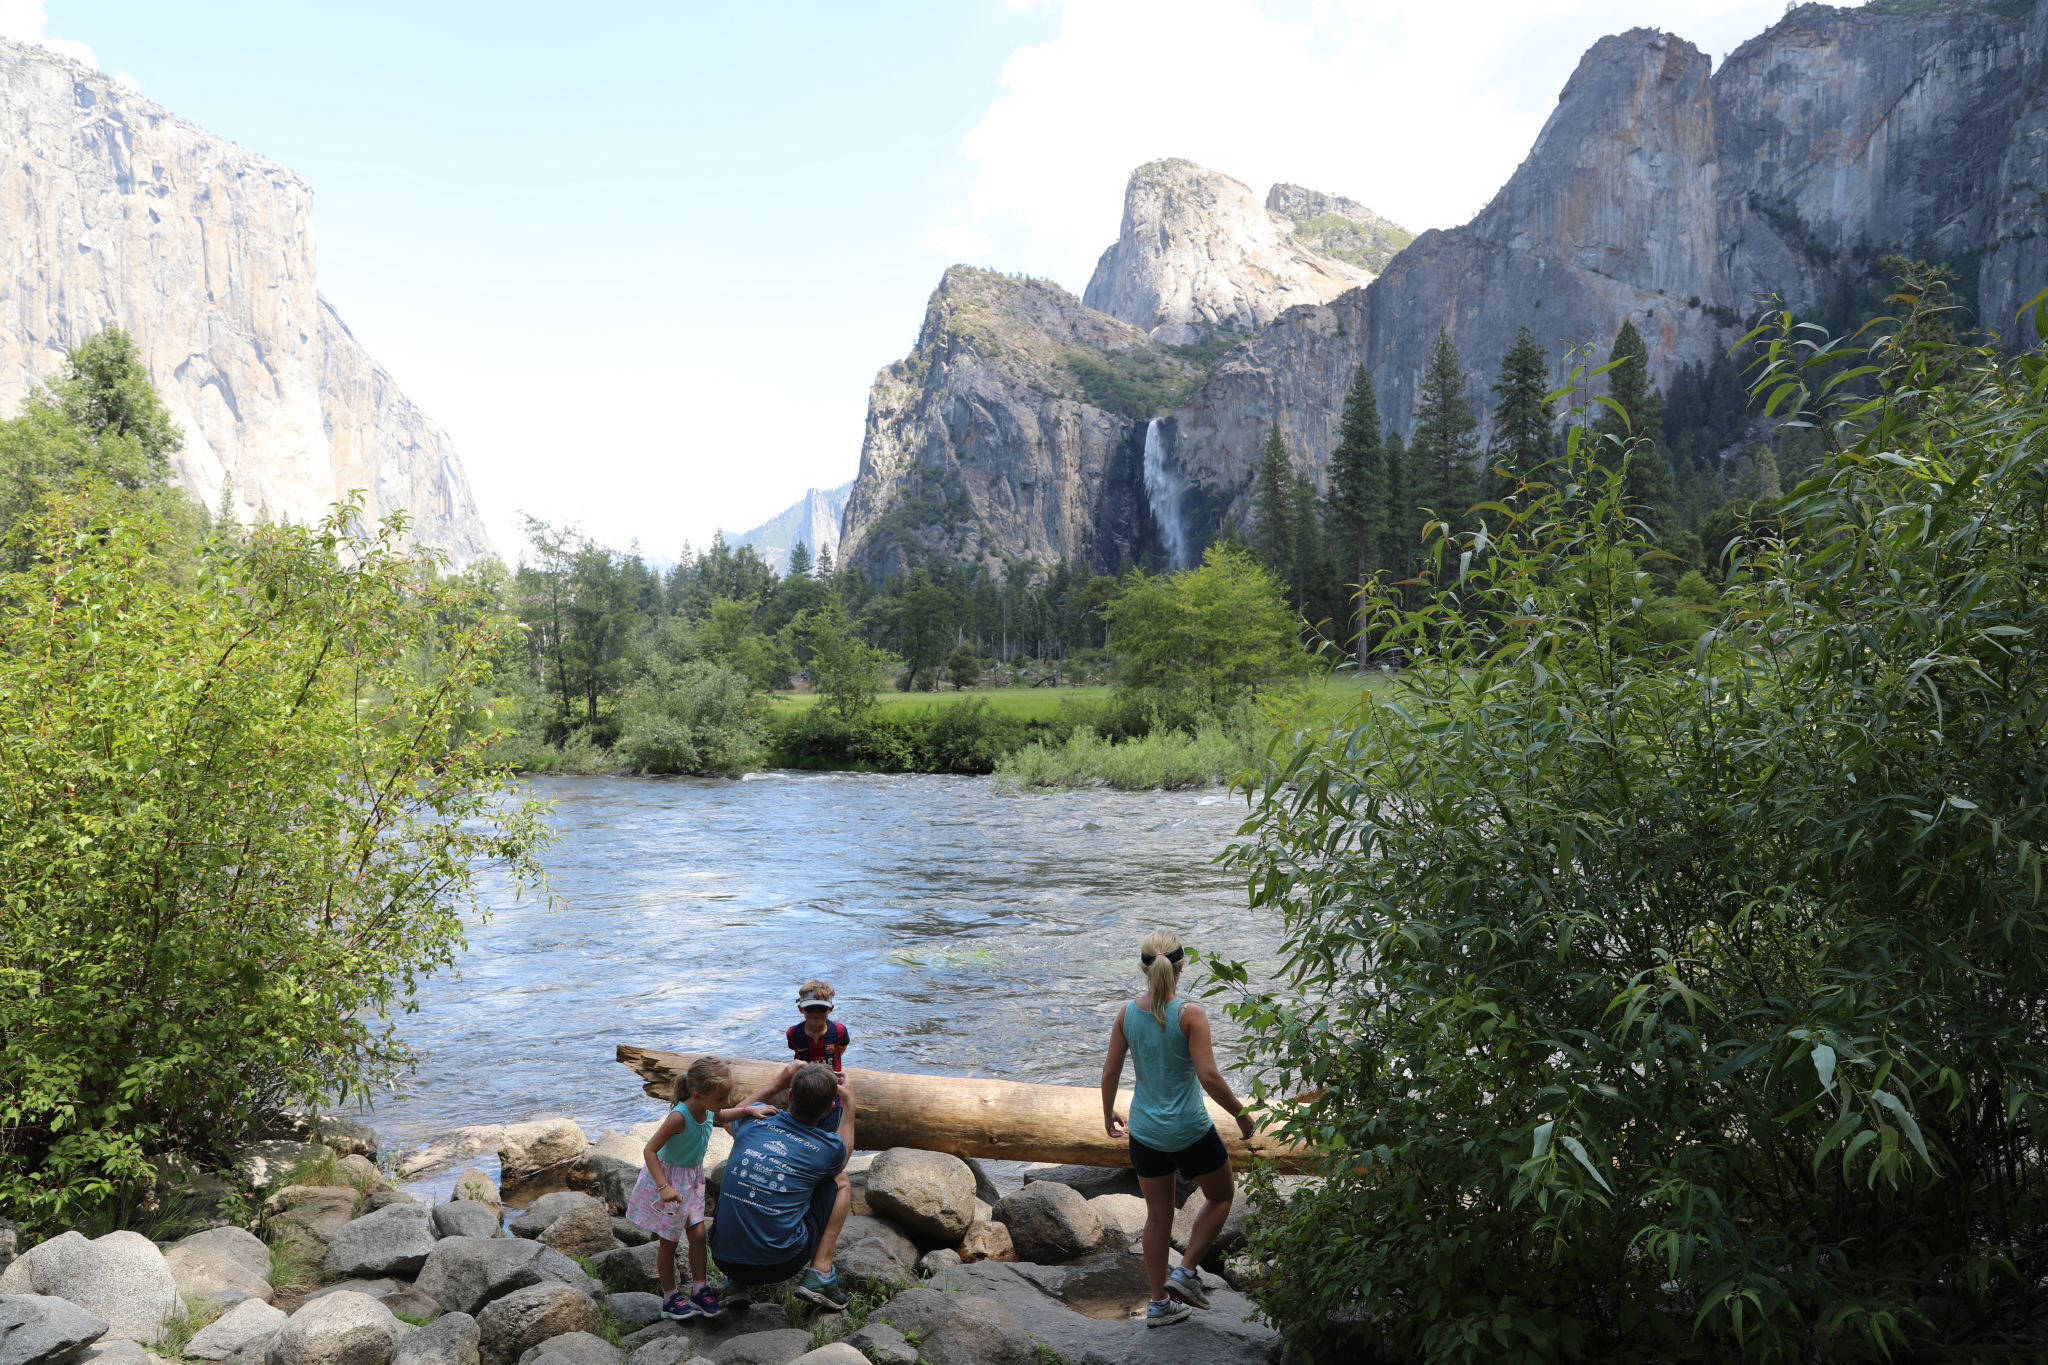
(819, 1038)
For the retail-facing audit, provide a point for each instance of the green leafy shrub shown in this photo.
(967, 737)
(1660, 1012)
(690, 718)
(238, 821)
(1169, 759)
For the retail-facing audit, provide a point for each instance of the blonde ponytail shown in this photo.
(1162, 972)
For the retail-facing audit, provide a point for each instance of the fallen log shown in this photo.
(968, 1116)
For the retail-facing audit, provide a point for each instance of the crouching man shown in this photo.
(785, 1196)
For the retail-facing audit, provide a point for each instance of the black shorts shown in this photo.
(1197, 1159)
(815, 1218)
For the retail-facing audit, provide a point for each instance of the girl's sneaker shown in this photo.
(707, 1302)
(1186, 1285)
(677, 1307)
(1166, 1314)
(823, 1292)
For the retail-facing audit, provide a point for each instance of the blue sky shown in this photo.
(643, 260)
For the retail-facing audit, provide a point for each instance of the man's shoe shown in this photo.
(823, 1292)
(1166, 1314)
(1186, 1285)
(734, 1297)
(677, 1307)
(706, 1302)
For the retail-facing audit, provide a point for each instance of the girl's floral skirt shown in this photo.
(644, 1207)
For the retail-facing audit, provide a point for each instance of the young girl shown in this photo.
(668, 1199)
(1169, 1129)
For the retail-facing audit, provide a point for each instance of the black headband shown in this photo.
(1174, 957)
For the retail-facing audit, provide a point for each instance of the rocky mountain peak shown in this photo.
(1198, 252)
(1335, 226)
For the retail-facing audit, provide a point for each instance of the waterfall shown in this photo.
(1166, 490)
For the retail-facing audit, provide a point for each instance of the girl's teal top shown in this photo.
(1167, 1113)
(687, 1147)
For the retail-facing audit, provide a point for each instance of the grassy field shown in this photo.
(1035, 703)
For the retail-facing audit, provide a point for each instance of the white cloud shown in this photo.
(23, 21)
(1418, 108)
(957, 243)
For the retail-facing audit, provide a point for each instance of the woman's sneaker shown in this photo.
(677, 1307)
(1166, 1314)
(1186, 1285)
(823, 1292)
(706, 1302)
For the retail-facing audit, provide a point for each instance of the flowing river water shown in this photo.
(967, 930)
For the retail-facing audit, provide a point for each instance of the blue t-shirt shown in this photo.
(775, 1166)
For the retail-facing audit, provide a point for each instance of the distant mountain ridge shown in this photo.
(812, 519)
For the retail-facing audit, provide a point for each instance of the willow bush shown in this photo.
(1669, 1001)
(239, 820)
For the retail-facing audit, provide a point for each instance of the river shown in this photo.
(966, 929)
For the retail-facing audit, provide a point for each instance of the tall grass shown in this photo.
(1170, 759)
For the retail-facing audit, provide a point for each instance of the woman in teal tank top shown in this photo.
(1169, 1130)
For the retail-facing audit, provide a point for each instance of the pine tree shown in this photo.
(1397, 546)
(1359, 507)
(1635, 429)
(1523, 417)
(1443, 448)
(1273, 509)
(825, 569)
(1309, 562)
(799, 560)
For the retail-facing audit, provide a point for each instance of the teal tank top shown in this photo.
(1167, 1113)
(687, 1147)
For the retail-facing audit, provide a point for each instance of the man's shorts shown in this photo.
(1194, 1161)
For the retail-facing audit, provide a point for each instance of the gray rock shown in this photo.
(628, 1233)
(465, 1218)
(930, 1194)
(577, 1348)
(394, 1240)
(267, 1164)
(361, 1172)
(1049, 1221)
(349, 1137)
(1122, 1217)
(384, 1199)
(450, 1148)
(231, 1331)
(307, 1216)
(612, 1181)
(257, 1351)
(933, 1261)
(524, 1318)
(35, 1330)
(583, 1230)
(450, 1339)
(831, 1353)
(10, 1244)
(556, 1266)
(778, 1347)
(537, 1217)
(882, 1344)
(856, 1173)
(635, 1311)
(411, 1306)
(473, 1184)
(534, 1157)
(337, 1329)
(376, 1289)
(858, 1228)
(958, 1329)
(1228, 1242)
(629, 1270)
(1087, 1181)
(209, 1265)
(116, 1351)
(984, 1188)
(463, 1274)
(121, 1278)
(871, 1263)
(988, 1241)
(1045, 1300)
(674, 1343)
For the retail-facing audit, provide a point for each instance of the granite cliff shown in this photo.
(1658, 191)
(113, 212)
(811, 521)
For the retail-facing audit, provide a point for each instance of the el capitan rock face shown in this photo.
(113, 212)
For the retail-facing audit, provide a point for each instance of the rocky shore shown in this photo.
(338, 1266)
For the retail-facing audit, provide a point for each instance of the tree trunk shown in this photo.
(968, 1116)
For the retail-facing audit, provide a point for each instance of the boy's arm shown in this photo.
(846, 1115)
(781, 1082)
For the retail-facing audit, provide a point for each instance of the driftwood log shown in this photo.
(967, 1116)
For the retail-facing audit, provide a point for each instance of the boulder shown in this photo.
(117, 1351)
(35, 1330)
(183, 1183)
(464, 1218)
(619, 1147)
(384, 1199)
(532, 1156)
(778, 1347)
(1087, 1181)
(338, 1329)
(634, 1311)
(1049, 1222)
(541, 1214)
(831, 1353)
(361, 1172)
(629, 1270)
(450, 1339)
(577, 1348)
(10, 1244)
(307, 1216)
(882, 1344)
(266, 1164)
(395, 1240)
(958, 1329)
(930, 1194)
(612, 1181)
(377, 1289)
(397, 1295)
(858, 1228)
(1122, 1217)
(856, 1172)
(988, 1241)
(1106, 1290)
(984, 1188)
(584, 1230)
(676, 1343)
(524, 1318)
(257, 1351)
(871, 1263)
(934, 1261)
(450, 1148)
(475, 1185)
(1228, 1242)
(214, 1265)
(348, 1137)
(628, 1233)
(234, 1329)
(463, 1274)
(121, 1278)
(983, 1212)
